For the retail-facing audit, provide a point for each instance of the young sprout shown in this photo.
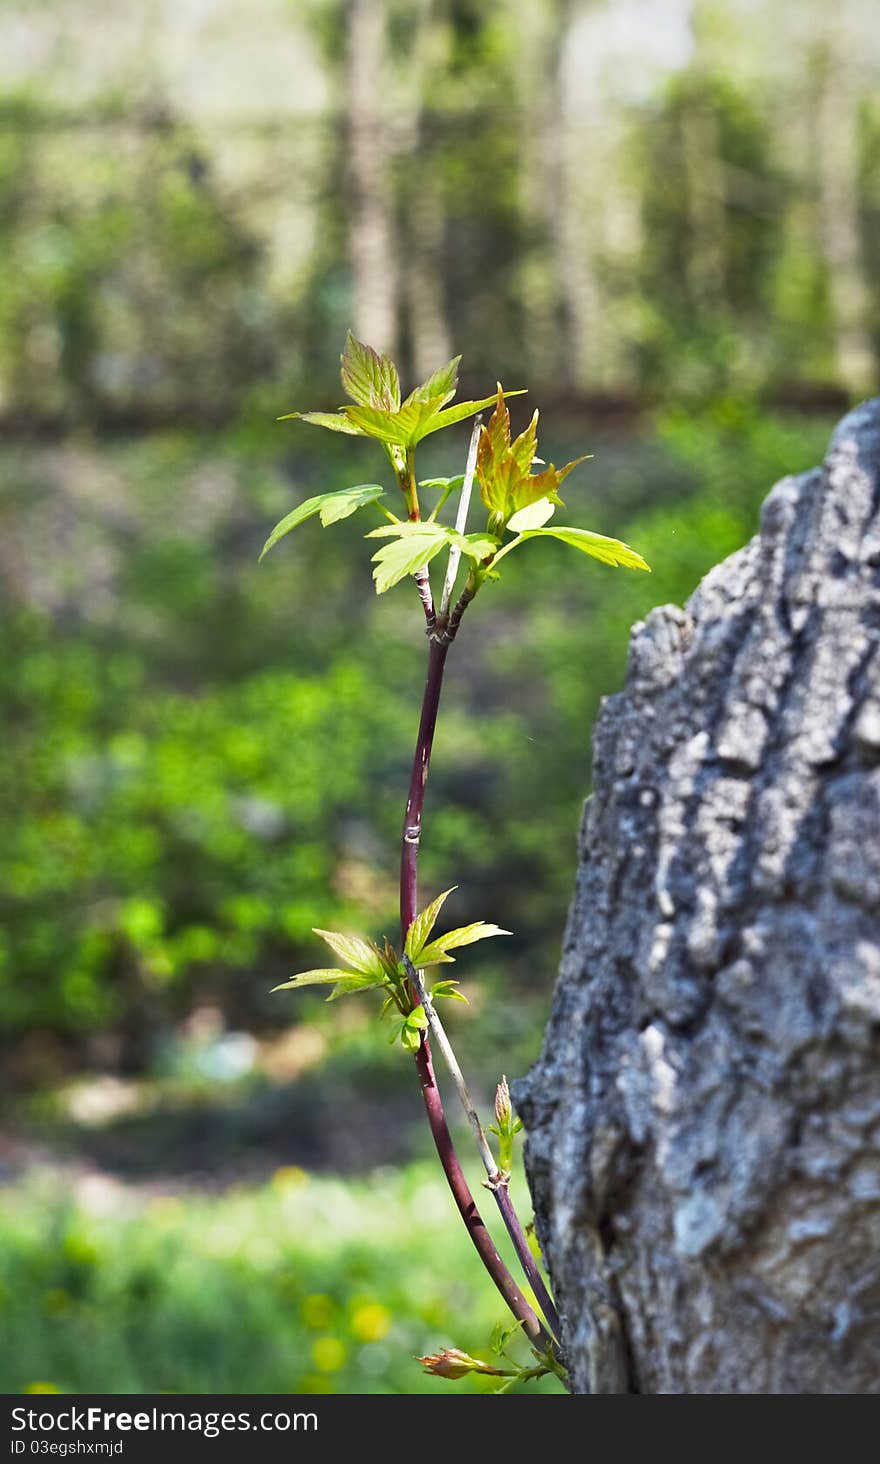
(519, 505)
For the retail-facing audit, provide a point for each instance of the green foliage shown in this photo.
(408, 1030)
(447, 990)
(133, 289)
(369, 378)
(286, 1287)
(419, 931)
(361, 955)
(331, 507)
(597, 546)
(146, 280)
(415, 545)
(197, 758)
(504, 468)
(365, 966)
(516, 498)
(372, 382)
(436, 952)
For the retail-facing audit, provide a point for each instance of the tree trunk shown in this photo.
(424, 221)
(704, 1121)
(841, 231)
(371, 231)
(595, 207)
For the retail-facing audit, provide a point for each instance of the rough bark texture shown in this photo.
(704, 1122)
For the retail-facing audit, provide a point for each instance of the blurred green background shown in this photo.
(661, 216)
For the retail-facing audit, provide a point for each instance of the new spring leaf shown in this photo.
(416, 544)
(417, 935)
(372, 382)
(331, 507)
(437, 952)
(608, 551)
(504, 468)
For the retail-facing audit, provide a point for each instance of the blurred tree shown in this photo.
(832, 63)
(370, 149)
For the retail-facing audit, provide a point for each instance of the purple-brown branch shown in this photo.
(526, 1259)
(409, 858)
(497, 1180)
(412, 823)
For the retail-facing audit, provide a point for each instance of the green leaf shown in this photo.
(330, 506)
(561, 474)
(501, 1335)
(439, 958)
(507, 484)
(477, 546)
(437, 952)
(388, 956)
(402, 428)
(369, 378)
(532, 517)
(321, 977)
(360, 956)
(451, 415)
(347, 501)
(415, 420)
(372, 382)
(417, 1019)
(423, 924)
(608, 551)
(419, 535)
(351, 983)
(524, 447)
(411, 1038)
(404, 556)
(447, 989)
(443, 485)
(442, 382)
(334, 421)
(411, 528)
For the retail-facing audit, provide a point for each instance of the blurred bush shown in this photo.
(205, 759)
(289, 1288)
(676, 219)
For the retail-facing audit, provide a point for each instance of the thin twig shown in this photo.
(526, 1259)
(464, 504)
(471, 586)
(497, 1179)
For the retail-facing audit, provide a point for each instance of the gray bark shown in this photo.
(704, 1121)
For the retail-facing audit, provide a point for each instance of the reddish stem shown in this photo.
(409, 858)
(467, 1207)
(527, 1260)
(412, 823)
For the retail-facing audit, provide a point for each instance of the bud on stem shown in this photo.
(506, 1126)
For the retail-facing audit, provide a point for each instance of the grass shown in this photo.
(303, 1284)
